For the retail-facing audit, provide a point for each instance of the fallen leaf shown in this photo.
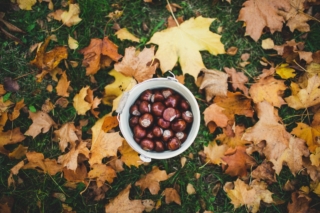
(72, 43)
(307, 96)
(171, 22)
(238, 80)
(41, 122)
(315, 158)
(309, 134)
(115, 15)
(172, 45)
(102, 173)
(172, 195)
(16, 110)
(118, 102)
(79, 103)
(183, 161)
(267, 44)
(232, 51)
(63, 85)
(3, 120)
(249, 195)
(2, 90)
(121, 203)
(234, 139)
(151, 180)
(215, 83)
(66, 134)
(94, 101)
(245, 57)
(26, 4)
(148, 205)
(78, 175)
(300, 203)
(214, 153)
(215, 113)
(18, 152)
(269, 89)
(109, 123)
(238, 161)
(110, 49)
(129, 156)
(14, 171)
(270, 130)
(173, 7)
(116, 164)
(190, 189)
(123, 34)
(38, 162)
(71, 17)
(285, 71)
(62, 102)
(47, 106)
(136, 64)
(264, 172)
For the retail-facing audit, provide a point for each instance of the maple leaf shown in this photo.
(25, 4)
(123, 34)
(102, 173)
(269, 89)
(122, 204)
(63, 85)
(152, 179)
(184, 43)
(103, 144)
(137, 64)
(71, 17)
(238, 161)
(238, 80)
(268, 129)
(70, 159)
(18, 152)
(264, 172)
(79, 103)
(16, 110)
(66, 134)
(109, 123)
(306, 97)
(249, 195)
(215, 113)
(171, 195)
(309, 134)
(94, 101)
(129, 156)
(292, 156)
(14, 171)
(2, 90)
(214, 153)
(315, 158)
(4, 105)
(3, 120)
(234, 139)
(10, 137)
(42, 122)
(215, 83)
(72, 43)
(300, 203)
(285, 71)
(77, 175)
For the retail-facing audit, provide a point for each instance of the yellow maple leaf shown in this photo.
(72, 43)
(71, 17)
(306, 97)
(79, 103)
(102, 173)
(70, 159)
(309, 134)
(25, 4)
(315, 158)
(129, 156)
(184, 42)
(285, 71)
(214, 153)
(123, 34)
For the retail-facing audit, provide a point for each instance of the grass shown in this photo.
(35, 193)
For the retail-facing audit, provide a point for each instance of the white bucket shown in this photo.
(131, 97)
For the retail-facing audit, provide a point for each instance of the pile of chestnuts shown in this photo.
(160, 119)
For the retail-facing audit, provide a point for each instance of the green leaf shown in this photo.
(6, 96)
(32, 109)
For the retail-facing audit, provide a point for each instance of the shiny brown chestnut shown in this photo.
(187, 116)
(157, 131)
(139, 131)
(134, 110)
(146, 95)
(150, 135)
(167, 134)
(144, 107)
(178, 125)
(167, 92)
(178, 113)
(174, 143)
(184, 105)
(159, 146)
(157, 96)
(182, 136)
(147, 144)
(172, 101)
(169, 114)
(133, 121)
(146, 120)
(157, 108)
(163, 123)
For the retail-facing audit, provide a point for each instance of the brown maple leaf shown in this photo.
(214, 153)
(264, 172)
(171, 195)
(14, 171)
(238, 161)
(152, 179)
(235, 138)
(215, 113)
(138, 65)
(16, 110)
(122, 204)
(77, 175)
(66, 134)
(10, 137)
(300, 203)
(238, 80)
(102, 173)
(42, 122)
(18, 152)
(63, 85)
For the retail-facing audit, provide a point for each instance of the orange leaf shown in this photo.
(102, 173)
(214, 153)
(16, 110)
(18, 152)
(238, 80)
(76, 176)
(63, 85)
(109, 123)
(110, 49)
(129, 156)
(66, 134)
(172, 196)
(42, 122)
(10, 137)
(215, 113)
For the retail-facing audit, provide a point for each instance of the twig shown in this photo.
(21, 76)
(172, 13)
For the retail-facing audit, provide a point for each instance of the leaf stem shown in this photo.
(172, 13)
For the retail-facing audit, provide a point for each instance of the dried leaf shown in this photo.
(71, 17)
(102, 173)
(123, 34)
(309, 134)
(63, 85)
(214, 153)
(72, 43)
(16, 110)
(66, 134)
(172, 196)
(18, 152)
(79, 103)
(129, 156)
(215, 113)
(42, 122)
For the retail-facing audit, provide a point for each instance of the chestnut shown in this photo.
(157, 96)
(178, 125)
(139, 131)
(146, 120)
(169, 114)
(134, 110)
(144, 107)
(137, 139)
(174, 143)
(172, 101)
(146, 95)
(147, 144)
(167, 134)
(157, 131)
(159, 147)
(157, 108)
(187, 116)
(133, 121)
(167, 92)
(163, 123)
(182, 136)
(184, 105)
(150, 135)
